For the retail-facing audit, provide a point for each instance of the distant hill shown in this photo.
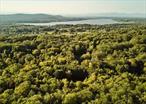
(34, 18)
(45, 18)
(119, 15)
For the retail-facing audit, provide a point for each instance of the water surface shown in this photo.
(89, 21)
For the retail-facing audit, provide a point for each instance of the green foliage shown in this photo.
(36, 99)
(73, 64)
(23, 88)
(70, 98)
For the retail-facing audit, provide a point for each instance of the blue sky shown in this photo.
(72, 7)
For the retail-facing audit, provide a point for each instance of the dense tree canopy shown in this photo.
(73, 64)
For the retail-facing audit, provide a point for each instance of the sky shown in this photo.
(72, 7)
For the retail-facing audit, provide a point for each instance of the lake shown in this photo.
(89, 21)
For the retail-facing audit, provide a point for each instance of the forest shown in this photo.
(73, 64)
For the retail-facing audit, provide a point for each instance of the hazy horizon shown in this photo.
(73, 7)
